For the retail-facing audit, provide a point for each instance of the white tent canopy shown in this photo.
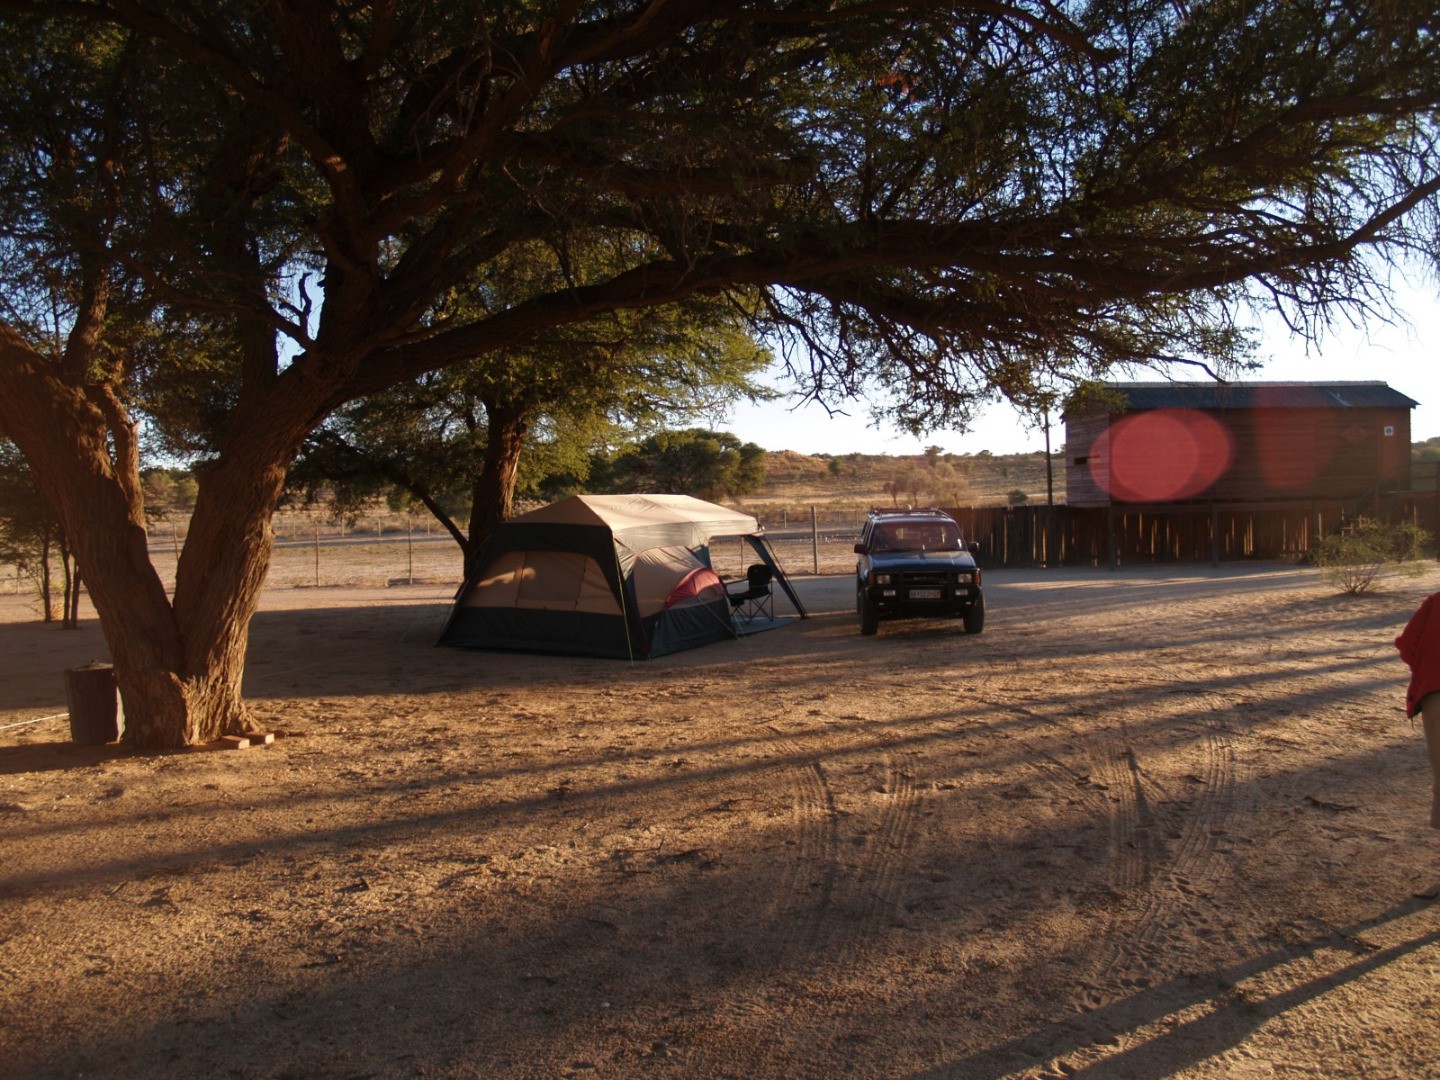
(605, 575)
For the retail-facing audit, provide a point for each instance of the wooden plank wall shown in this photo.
(1086, 478)
(1269, 454)
(1305, 453)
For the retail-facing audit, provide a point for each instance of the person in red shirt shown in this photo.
(1419, 645)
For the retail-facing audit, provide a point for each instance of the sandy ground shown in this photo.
(1150, 823)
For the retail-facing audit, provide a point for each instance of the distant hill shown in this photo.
(860, 481)
(856, 482)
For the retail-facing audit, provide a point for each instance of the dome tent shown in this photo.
(625, 576)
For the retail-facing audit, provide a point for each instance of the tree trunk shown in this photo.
(47, 595)
(494, 492)
(218, 581)
(179, 666)
(70, 613)
(72, 619)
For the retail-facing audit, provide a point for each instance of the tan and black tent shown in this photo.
(624, 576)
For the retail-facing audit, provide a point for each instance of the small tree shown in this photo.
(472, 439)
(946, 484)
(1359, 556)
(159, 489)
(710, 464)
(31, 538)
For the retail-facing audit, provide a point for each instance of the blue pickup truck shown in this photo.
(915, 564)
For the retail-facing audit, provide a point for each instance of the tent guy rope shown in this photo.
(38, 719)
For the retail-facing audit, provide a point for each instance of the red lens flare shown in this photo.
(1161, 456)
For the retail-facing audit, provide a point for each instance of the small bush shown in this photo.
(1017, 497)
(1363, 553)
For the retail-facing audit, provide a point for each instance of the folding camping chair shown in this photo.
(756, 599)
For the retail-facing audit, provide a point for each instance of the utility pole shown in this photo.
(1049, 468)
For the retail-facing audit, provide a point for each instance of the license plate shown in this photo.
(924, 594)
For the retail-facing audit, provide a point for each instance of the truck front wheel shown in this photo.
(975, 617)
(869, 616)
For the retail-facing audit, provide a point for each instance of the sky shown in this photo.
(1407, 357)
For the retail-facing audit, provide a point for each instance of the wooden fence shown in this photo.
(1028, 536)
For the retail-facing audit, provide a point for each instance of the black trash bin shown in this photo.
(93, 698)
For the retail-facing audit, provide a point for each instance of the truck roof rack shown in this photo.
(919, 511)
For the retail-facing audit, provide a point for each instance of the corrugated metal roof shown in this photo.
(1261, 395)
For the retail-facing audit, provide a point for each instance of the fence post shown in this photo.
(317, 554)
(815, 539)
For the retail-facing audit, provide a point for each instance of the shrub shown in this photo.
(1017, 497)
(1361, 554)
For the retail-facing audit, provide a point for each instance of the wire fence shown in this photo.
(315, 552)
(312, 550)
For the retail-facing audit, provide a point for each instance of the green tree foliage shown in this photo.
(168, 492)
(706, 464)
(452, 441)
(231, 219)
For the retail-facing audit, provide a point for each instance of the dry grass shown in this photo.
(795, 482)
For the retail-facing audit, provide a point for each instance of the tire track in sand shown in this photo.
(840, 890)
(850, 863)
(1163, 865)
(1167, 870)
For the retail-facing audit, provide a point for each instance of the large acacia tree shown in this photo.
(256, 213)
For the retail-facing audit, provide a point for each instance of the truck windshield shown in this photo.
(914, 536)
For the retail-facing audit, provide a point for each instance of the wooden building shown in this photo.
(1176, 444)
